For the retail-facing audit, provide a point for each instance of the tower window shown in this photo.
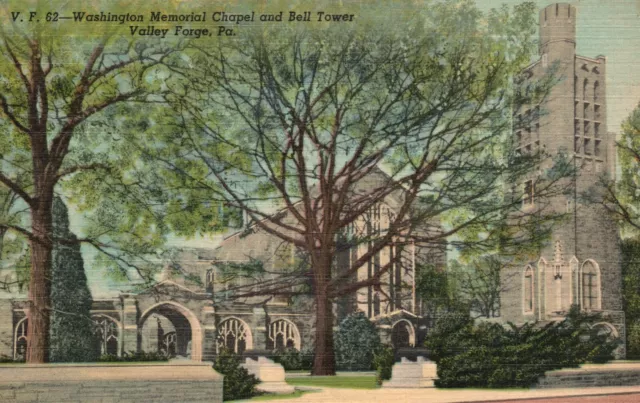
(596, 87)
(208, 282)
(529, 189)
(585, 84)
(590, 286)
(587, 146)
(596, 148)
(528, 290)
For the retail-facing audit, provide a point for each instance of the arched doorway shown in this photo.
(402, 334)
(605, 329)
(171, 329)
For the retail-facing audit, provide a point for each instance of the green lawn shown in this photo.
(293, 395)
(352, 382)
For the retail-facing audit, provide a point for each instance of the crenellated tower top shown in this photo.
(557, 24)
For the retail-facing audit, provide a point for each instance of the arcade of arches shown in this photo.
(192, 328)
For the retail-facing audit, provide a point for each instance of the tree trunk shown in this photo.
(324, 362)
(40, 284)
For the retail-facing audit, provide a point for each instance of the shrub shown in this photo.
(293, 360)
(355, 341)
(491, 355)
(289, 358)
(633, 341)
(5, 359)
(383, 360)
(238, 383)
(307, 356)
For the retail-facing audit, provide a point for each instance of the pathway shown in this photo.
(616, 394)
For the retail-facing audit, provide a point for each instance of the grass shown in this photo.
(351, 382)
(270, 396)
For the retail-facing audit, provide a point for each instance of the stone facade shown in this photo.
(193, 313)
(581, 263)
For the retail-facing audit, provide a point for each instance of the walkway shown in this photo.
(332, 395)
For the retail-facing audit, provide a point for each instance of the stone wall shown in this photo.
(157, 382)
(613, 374)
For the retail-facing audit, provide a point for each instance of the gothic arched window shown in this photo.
(596, 88)
(234, 335)
(20, 340)
(590, 286)
(106, 333)
(528, 289)
(283, 334)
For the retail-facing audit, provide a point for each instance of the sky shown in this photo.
(610, 28)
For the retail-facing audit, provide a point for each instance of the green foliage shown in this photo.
(5, 359)
(238, 383)
(625, 197)
(134, 356)
(72, 338)
(630, 249)
(434, 286)
(490, 355)
(293, 360)
(383, 360)
(355, 342)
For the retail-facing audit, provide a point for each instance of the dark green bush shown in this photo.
(71, 330)
(307, 356)
(491, 355)
(294, 360)
(5, 359)
(289, 358)
(355, 341)
(133, 356)
(238, 382)
(383, 360)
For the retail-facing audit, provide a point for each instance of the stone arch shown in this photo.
(106, 341)
(590, 285)
(20, 334)
(528, 289)
(403, 334)
(283, 333)
(608, 327)
(194, 324)
(234, 334)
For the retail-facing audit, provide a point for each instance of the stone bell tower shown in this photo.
(580, 265)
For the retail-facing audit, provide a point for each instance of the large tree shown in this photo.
(56, 88)
(296, 119)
